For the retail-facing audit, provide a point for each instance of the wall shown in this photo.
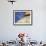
(38, 29)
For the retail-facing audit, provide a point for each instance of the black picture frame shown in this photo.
(31, 17)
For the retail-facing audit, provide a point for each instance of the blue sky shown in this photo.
(19, 15)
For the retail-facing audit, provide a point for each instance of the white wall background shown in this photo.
(38, 30)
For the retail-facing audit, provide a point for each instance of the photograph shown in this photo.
(22, 16)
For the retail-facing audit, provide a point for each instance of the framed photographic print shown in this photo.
(22, 17)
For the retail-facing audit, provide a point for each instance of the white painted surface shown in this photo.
(38, 29)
